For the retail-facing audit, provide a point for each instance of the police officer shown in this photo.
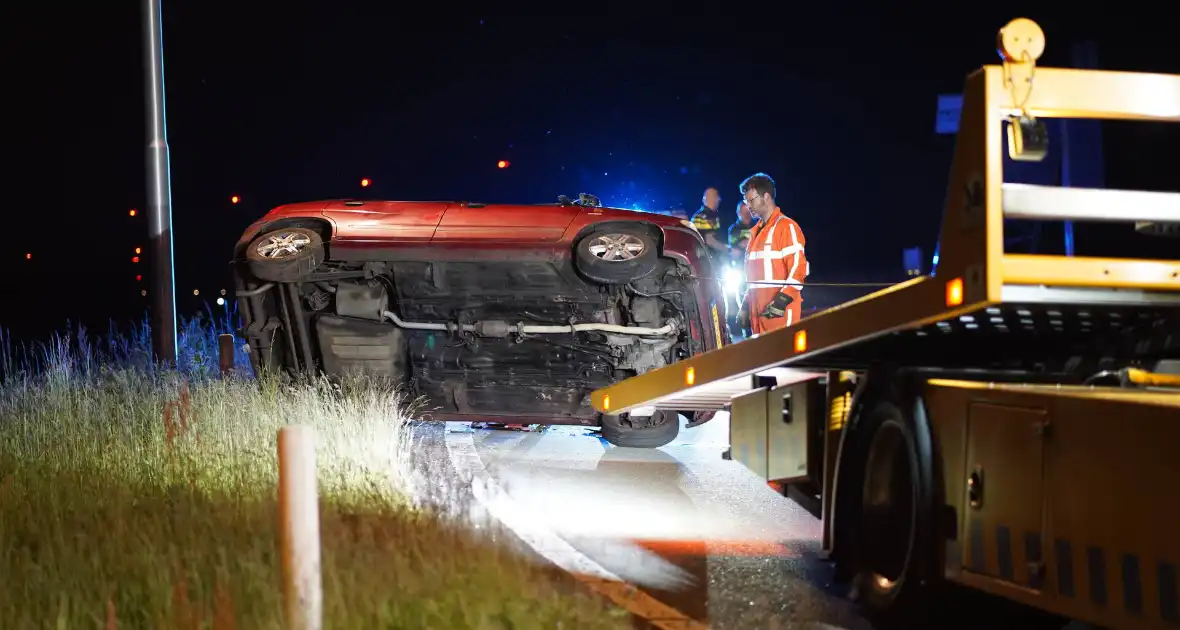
(708, 222)
(739, 232)
(775, 253)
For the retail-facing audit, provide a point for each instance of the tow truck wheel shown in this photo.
(887, 544)
(285, 255)
(658, 430)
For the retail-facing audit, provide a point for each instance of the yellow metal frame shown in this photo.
(973, 268)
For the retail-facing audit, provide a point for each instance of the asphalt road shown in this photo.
(694, 531)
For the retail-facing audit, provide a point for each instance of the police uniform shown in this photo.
(738, 233)
(775, 251)
(708, 222)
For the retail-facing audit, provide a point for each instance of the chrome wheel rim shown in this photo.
(282, 245)
(617, 247)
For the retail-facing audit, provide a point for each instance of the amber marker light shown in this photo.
(954, 292)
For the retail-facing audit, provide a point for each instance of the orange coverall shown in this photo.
(775, 251)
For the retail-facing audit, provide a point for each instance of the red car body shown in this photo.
(367, 237)
(370, 229)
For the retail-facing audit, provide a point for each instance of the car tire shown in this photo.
(269, 260)
(616, 255)
(619, 431)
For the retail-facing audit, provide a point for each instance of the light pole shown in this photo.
(159, 188)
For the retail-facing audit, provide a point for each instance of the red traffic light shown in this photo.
(365, 182)
(138, 278)
(135, 259)
(29, 256)
(502, 164)
(132, 212)
(234, 199)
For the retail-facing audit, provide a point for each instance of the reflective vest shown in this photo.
(739, 233)
(775, 252)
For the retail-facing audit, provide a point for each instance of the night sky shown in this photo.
(642, 108)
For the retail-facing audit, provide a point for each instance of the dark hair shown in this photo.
(760, 183)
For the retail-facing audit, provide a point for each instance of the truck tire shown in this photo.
(887, 536)
(285, 255)
(616, 255)
(663, 428)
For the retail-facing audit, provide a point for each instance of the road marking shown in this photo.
(493, 498)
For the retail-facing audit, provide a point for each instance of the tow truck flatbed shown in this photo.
(958, 427)
(1000, 308)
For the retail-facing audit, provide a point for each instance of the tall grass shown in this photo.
(77, 350)
(135, 497)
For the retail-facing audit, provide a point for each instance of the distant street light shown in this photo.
(221, 301)
(133, 212)
(502, 164)
(365, 182)
(235, 199)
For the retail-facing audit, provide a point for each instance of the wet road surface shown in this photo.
(694, 531)
(697, 533)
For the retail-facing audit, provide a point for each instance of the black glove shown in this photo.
(777, 307)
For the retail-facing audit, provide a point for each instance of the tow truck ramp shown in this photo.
(1010, 423)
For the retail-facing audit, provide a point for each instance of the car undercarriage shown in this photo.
(515, 341)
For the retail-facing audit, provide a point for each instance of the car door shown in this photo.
(505, 223)
(401, 221)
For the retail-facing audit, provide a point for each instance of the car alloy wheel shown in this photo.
(617, 247)
(282, 245)
(285, 255)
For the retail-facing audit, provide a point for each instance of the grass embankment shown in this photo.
(131, 499)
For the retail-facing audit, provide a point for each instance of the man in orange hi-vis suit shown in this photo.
(775, 252)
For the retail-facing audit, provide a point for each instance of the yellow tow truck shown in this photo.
(944, 427)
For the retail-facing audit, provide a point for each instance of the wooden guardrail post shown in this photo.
(299, 529)
(225, 353)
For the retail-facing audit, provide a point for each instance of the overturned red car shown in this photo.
(492, 313)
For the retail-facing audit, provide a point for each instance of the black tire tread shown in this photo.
(662, 434)
(890, 398)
